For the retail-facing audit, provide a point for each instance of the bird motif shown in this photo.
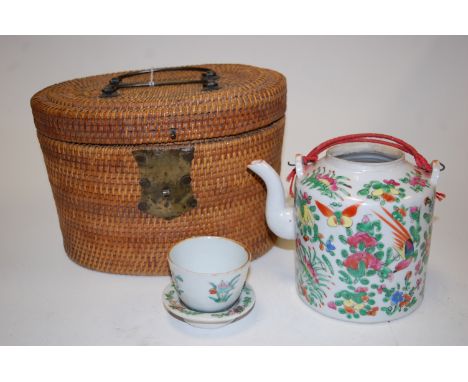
(336, 218)
(403, 243)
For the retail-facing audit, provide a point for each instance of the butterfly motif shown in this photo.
(338, 218)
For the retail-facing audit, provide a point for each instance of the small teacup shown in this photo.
(208, 272)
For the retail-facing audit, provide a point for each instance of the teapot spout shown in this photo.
(280, 219)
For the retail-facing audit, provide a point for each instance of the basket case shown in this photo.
(138, 161)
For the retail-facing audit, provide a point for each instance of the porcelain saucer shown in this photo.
(198, 319)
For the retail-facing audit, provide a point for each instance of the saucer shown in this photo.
(208, 320)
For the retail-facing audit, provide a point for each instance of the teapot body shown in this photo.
(363, 218)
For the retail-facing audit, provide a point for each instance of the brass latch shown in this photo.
(165, 181)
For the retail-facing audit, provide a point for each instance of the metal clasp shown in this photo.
(165, 181)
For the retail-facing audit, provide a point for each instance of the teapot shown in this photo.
(362, 224)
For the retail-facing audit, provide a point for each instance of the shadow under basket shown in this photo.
(136, 171)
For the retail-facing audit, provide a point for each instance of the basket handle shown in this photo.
(209, 80)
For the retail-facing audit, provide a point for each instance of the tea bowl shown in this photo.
(208, 272)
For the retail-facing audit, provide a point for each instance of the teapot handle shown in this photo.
(382, 139)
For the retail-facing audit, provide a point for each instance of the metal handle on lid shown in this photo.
(209, 80)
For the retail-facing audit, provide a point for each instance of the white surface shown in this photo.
(279, 216)
(202, 255)
(414, 88)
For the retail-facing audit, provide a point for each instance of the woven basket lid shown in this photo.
(248, 98)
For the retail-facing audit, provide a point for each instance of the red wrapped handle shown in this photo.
(382, 139)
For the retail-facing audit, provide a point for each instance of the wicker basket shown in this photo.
(136, 168)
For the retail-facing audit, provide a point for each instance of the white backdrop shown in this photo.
(415, 88)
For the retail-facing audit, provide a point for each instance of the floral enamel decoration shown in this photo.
(363, 253)
(328, 183)
(385, 191)
(427, 216)
(362, 250)
(222, 291)
(306, 214)
(415, 180)
(399, 213)
(245, 301)
(368, 262)
(171, 296)
(400, 297)
(355, 304)
(313, 275)
(362, 261)
(177, 280)
(209, 320)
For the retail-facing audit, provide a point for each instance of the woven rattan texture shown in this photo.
(248, 98)
(96, 191)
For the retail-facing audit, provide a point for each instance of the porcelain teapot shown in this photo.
(362, 222)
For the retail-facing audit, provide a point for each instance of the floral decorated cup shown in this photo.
(208, 272)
